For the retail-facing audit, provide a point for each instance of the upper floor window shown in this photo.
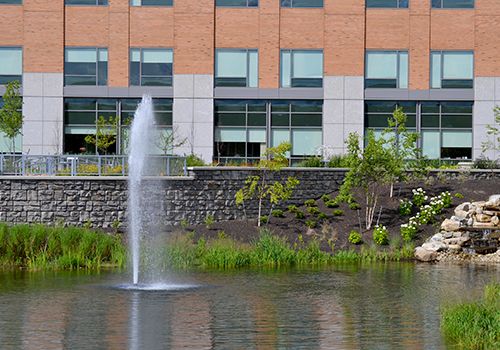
(235, 67)
(237, 3)
(11, 2)
(85, 66)
(452, 70)
(11, 64)
(301, 68)
(151, 2)
(387, 3)
(386, 69)
(301, 3)
(84, 2)
(452, 4)
(151, 67)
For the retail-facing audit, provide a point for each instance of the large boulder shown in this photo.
(450, 225)
(425, 255)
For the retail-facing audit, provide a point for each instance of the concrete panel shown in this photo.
(333, 112)
(53, 84)
(203, 134)
(203, 86)
(52, 137)
(183, 110)
(387, 94)
(53, 109)
(32, 134)
(484, 89)
(32, 108)
(302, 93)
(483, 112)
(354, 111)
(333, 87)
(183, 85)
(32, 84)
(349, 128)
(479, 136)
(333, 136)
(203, 111)
(354, 88)
(497, 89)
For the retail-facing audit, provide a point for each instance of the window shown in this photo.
(151, 2)
(301, 3)
(452, 70)
(81, 114)
(387, 3)
(11, 64)
(237, 68)
(386, 69)
(301, 68)
(151, 67)
(85, 66)
(453, 4)
(237, 3)
(11, 2)
(85, 2)
(445, 127)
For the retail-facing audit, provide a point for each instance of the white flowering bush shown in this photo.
(380, 235)
(409, 230)
(419, 197)
(405, 206)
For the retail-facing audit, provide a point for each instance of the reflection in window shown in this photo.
(151, 67)
(452, 70)
(237, 3)
(386, 69)
(301, 68)
(151, 2)
(85, 66)
(237, 68)
(301, 3)
(387, 3)
(453, 4)
(11, 64)
(85, 2)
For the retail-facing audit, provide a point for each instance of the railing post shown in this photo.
(185, 166)
(99, 164)
(168, 166)
(23, 165)
(123, 165)
(1, 163)
(73, 166)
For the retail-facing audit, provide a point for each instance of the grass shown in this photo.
(474, 325)
(268, 250)
(37, 247)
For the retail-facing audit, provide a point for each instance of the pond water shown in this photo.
(372, 306)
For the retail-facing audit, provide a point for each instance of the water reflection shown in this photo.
(385, 306)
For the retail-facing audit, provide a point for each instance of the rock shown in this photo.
(483, 218)
(456, 241)
(460, 215)
(495, 199)
(447, 235)
(454, 248)
(482, 225)
(450, 225)
(479, 211)
(422, 254)
(438, 237)
(434, 246)
(464, 207)
(470, 222)
(495, 220)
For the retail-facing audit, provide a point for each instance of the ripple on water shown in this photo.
(156, 287)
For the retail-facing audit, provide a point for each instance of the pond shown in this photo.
(366, 306)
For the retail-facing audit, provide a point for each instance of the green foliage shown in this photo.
(332, 204)
(264, 219)
(354, 206)
(311, 223)
(493, 143)
(116, 224)
(193, 160)
(338, 161)
(292, 208)
(105, 135)
(209, 221)
(11, 116)
(459, 195)
(41, 247)
(419, 197)
(184, 224)
(278, 213)
(380, 235)
(221, 234)
(325, 198)
(409, 230)
(485, 163)
(299, 215)
(322, 216)
(310, 203)
(474, 325)
(338, 212)
(313, 210)
(311, 162)
(355, 237)
(405, 207)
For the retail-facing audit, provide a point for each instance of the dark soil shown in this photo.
(335, 229)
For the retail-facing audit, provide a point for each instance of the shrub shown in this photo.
(380, 235)
(310, 203)
(338, 212)
(264, 219)
(311, 162)
(209, 221)
(419, 197)
(409, 230)
(354, 206)
(459, 195)
(355, 237)
(313, 210)
(405, 206)
(221, 234)
(311, 223)
(332, 204)
(322, 216)
(299, 214)
(485, 163)
(277, 213)
(194, 160)
(325, 198)
(338, 161)
(292, 208)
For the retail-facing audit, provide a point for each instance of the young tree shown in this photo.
(493, 143)
(168, 141)
(105, 135)
(260, 187)
(11, 116)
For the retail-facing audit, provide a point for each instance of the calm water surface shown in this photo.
(376, 306)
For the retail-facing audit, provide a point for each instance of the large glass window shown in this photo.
(453, 4)
(445, 128)
(238, 68)
(151, 67)
(245, 128)
(85, 2)
(151, 2)
(301, 68)
(386, 69)
(387, 3)
(81, 116)
(237, 3)
(11, 64)
(301, 3)
(11, 2)
(452, 70)
(86, 66)
(6, 142)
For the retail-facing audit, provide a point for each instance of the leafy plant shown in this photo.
(299, 214)
(209, 221)
(311, 223)
(264, 219)
(292, 208)
(221, 234)
(419, 197)
(310, 203)
(355, 237)
(405, 207)
(409, 230)
(322, 216)
(332, 204)
(116, 225)
(325, 198)
(11, 117)
(168, 140)
(184, 224)
(338, 212)
(459, 195)
(493, 143)
(354, 206)
(380, 235)
(278, 213)
(193, 160)
(105, 135)
(311, 162)
(313, 210)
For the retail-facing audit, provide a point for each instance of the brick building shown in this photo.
(233, 77)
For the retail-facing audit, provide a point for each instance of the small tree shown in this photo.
(105, 135)
(493, 143)
(260, 188)
(168, 141)
(11, 117)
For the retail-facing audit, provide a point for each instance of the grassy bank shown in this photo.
(268, 250)
(474, 325)
(40, 247)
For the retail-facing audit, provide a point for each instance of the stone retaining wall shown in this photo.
(206, 191)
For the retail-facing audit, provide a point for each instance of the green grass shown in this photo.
(474, 325)
(37, 247)
(267, 250)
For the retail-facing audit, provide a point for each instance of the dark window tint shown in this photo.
(387, 3)
(85, 2)
(237, 3)
(301, 3)
(453, 4)
(11, 2)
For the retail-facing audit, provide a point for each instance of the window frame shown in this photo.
(141, 50)
(442, 52)
(301, 7)
(96, 3)
(20, 3)
(97, 51)
(17, 77)
(441, 7)
(292, 51)
(247, 78)
(238, 6)
(398, 68)
(171, 4)
(398, 5)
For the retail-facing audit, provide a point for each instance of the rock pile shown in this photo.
(473, 229)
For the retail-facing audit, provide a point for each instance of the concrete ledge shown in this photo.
(93, 178)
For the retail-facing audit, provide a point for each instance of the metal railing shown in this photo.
(87, 165)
